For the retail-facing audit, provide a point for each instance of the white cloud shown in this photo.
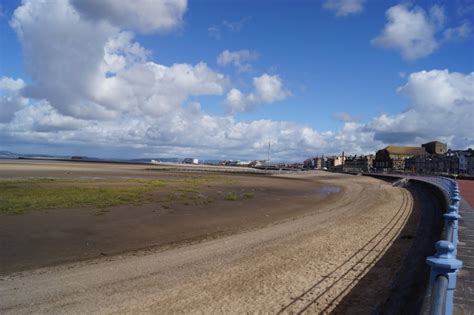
(121, 52)
(154, 89)
(237, 58)
(63, 54)
(139, 15)
(268, 89)
(184, 131)
(441, 107)
(95, 71)
(344, 7)
(438, 89)
(11, 85)
(411, 31)
(461, 32)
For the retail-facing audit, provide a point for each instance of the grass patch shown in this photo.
(23, 195)
(248, 195)
(231, 197)
(19, 196)
(188, 189)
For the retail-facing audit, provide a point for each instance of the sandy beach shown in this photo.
(304, 253)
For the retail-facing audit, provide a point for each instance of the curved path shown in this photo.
(305, 264)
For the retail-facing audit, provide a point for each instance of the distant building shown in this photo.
(393, 157)
(463, 162)
(309, 163)
(237, 163)
(318, 163)
(190, 161)
(335, 162)
(470, 163)
(426, 164)
(361, 163)
(435, 147)
(315, 163)
(451, 162)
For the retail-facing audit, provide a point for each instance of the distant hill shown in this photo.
(8, 155)
(12, 155)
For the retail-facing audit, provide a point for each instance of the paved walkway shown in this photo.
(464, 295)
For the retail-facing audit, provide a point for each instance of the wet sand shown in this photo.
(49, 237)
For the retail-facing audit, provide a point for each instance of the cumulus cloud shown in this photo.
(268, 89)
(186, 131)
(240, 59)
(416, 33)
(154, 89)
(93, 70)
(63, 55)
(11, 85)
(411, 31)
(441, 107)
(140, 15)
(344, 7)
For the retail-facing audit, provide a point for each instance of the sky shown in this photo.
(222, 79)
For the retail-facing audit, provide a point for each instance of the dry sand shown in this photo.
(306, 263)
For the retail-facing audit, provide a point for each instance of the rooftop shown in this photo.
(393, 149)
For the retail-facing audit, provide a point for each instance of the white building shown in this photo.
(190, 161)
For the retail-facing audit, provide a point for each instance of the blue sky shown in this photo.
(323, 77)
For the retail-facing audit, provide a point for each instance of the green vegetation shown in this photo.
(248, 195)
(234, 197)
(231, 197)
(19, 196)
(23, 195)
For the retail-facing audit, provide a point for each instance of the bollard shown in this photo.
(443, 263)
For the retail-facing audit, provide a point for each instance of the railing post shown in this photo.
(451, 218)
(444, 263)
(455, 200)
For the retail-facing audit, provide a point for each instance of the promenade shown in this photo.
(464, 295)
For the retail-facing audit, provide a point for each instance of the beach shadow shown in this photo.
(331, 278)
(410, 282)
